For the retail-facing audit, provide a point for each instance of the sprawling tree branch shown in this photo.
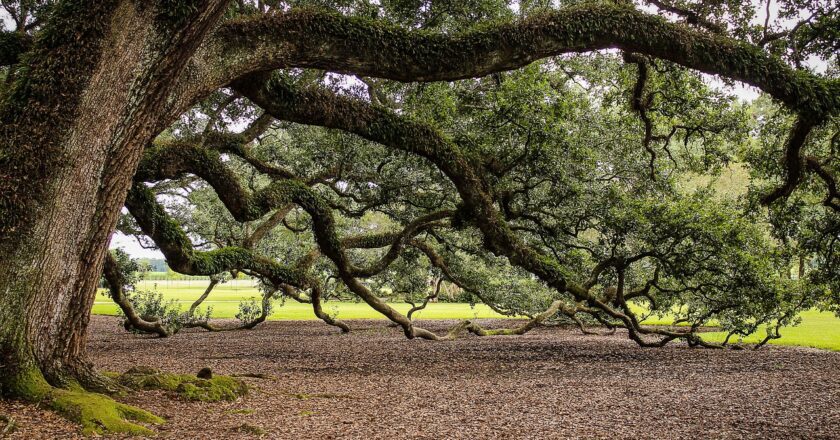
(180, 255)
(793, 160)
(832, 198)
(319, 107)
(371, 48)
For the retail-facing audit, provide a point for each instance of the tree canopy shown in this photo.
(563, 184)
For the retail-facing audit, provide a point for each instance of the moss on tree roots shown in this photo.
(186, 386)
(100, 414)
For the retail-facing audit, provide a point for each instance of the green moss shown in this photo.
(100, 414)
(213, 390)
(30, 384)
(250, 429)
(240, 411)
(187, 386)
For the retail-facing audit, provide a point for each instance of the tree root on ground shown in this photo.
(99, 414)
(186, 386)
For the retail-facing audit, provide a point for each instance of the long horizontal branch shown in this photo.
(329, 41)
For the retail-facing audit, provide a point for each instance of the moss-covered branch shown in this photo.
(179, 252)
(310, 38)
(320, 107)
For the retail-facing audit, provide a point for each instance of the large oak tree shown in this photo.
(88, 87)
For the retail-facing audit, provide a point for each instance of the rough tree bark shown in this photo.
(74, 126)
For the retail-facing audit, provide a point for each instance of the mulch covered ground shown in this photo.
(551, 383)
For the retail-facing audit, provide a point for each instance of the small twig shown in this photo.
(10, 424)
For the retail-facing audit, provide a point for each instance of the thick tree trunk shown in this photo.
(52, 255)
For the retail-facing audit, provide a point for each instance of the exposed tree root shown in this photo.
(96, 413)
(186, 386)
(99, 414)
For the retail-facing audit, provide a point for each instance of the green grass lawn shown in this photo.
(818, 329)
(226, 297)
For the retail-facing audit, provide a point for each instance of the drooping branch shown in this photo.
(168, 161)
(640, 103)
(439, 262)
(832, 198)
(793, 162)
(315, 299)
(319, 107)
(179, 252)
(116, 283)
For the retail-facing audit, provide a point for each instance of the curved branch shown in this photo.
(317, 293)
(116, 282)
(325, 40)
(793, 163)
(179, 252)
(214, 280)
(319, 107)
(415, 308)
(832, 198)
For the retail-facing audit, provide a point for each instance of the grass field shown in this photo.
(818, 329)
(226, 297)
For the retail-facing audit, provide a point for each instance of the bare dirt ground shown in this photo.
(551, 383)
